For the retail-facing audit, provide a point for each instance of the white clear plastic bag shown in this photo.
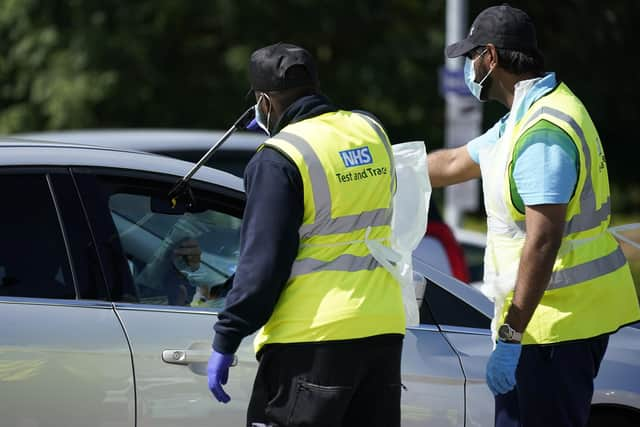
(411, 200)
(409, 221)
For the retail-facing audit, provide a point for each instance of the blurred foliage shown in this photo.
(171, 63)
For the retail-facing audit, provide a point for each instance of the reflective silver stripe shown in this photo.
(589, 217)
(349, 223)
(323, 224)
(349, 263)
(387, 146)
(319, 183)
(587, 271)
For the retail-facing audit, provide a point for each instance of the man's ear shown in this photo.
(492, 55)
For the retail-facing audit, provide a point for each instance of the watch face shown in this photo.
(503, 332)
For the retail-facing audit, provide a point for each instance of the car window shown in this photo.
(33, 254)
(443, 308)
(157, 244)
(155, 253)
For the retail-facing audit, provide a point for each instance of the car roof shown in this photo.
(152, 140)
(23, 152)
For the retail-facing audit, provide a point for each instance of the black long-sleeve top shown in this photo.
(269, 235)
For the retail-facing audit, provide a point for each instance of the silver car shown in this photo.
(439, 244)
(102, 327)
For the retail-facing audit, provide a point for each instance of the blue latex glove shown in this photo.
(218, 373)
(501, 368)
(253, 125)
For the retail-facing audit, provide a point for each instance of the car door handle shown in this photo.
(187, 357)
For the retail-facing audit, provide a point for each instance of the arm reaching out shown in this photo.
(451, 166)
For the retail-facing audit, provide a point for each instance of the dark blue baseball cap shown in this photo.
(503, 26)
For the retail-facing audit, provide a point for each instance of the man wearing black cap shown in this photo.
(331, 319)
(558, 278)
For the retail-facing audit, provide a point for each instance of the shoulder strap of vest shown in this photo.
(382, 134)
(533, 113)
(590, 216)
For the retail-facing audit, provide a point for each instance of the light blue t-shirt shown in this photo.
(546, 163)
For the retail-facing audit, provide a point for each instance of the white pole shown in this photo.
(456, 28)
(463, 114)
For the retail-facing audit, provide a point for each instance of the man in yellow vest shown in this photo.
(330, 318)
(558, 278)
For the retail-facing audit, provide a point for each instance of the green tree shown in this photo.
(47, 78)
(173, 63)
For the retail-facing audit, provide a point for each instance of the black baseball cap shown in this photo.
(504, 26)
(281, 66)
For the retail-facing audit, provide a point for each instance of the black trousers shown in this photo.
(333, 384)
(554, 385)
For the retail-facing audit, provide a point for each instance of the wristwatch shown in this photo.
(507, 333)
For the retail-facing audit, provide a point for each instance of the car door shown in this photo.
(460, 312)
(434, 383)
(169, 310)
(64, 358)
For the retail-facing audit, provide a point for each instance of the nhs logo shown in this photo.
(356, 157)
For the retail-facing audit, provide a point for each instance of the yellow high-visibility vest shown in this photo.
(591, 291)
(336, 289)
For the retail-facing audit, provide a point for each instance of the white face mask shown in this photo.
(261, 121)
(200, 276)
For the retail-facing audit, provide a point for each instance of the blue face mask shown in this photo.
(201, 276)
(261, 120)
(470, 77)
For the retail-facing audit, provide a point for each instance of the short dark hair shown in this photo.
(517, 62)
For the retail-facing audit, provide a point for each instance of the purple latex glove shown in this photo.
(501, 368)
(218, 373)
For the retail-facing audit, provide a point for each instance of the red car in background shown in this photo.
(438, 230)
